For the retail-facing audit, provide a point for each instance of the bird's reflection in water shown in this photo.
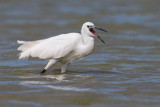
(57, 77)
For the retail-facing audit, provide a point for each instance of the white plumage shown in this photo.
(63, 48)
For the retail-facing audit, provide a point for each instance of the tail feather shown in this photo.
(24, 55)
(25, 45)
(20, 41)
(25, 48)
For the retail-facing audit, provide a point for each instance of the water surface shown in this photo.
(123, 73)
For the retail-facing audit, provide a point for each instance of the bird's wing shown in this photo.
(56, 47)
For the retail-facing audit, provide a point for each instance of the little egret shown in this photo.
(63, 48)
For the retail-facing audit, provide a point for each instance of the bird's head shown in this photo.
(89, 29)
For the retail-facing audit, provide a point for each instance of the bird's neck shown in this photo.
(86, 39)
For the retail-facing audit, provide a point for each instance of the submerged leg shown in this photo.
(43, 71)
(64, 67)
(50, 63)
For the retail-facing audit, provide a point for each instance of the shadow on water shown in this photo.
(70, 75)
(82, 72)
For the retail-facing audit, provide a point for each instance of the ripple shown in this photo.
(68, 88)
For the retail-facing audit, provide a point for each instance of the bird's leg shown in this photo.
(50, 63)
(64, 67)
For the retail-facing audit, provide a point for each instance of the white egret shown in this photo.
(63, 48)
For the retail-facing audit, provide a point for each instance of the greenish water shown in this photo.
(123, 73)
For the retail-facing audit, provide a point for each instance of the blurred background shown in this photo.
(124, 72)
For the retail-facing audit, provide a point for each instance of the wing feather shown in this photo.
(56, 47)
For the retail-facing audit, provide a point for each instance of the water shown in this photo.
(123, 73)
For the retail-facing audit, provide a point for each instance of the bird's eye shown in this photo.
(88, 26)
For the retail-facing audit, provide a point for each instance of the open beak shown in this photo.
(92, 30)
